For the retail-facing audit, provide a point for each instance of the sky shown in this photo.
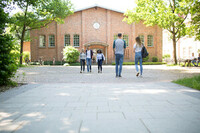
(121, 5)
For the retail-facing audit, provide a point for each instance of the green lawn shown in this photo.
(144, 63)
(193, 82)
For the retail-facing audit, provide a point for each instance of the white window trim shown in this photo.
(49, 41)
(44, 41)
(78, 40)
(152, 41)
(65, 40)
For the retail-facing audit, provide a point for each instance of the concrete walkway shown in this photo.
(61, 100)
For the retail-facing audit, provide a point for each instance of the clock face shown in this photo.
(96, 25)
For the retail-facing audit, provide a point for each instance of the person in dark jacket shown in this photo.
(89, 54)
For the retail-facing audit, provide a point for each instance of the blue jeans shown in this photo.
(82, 61)
(89, 63)
(119, 61)
(138, 57)
(100, 65)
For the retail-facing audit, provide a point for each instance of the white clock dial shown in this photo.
(96, 25)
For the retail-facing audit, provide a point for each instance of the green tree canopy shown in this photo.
(195, 16)
(8, 64)
(37, 14)
(170, 15)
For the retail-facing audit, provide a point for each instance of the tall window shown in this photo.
(115, 37)
(125, 37)
(51, 40)
(142, 38)
(150, 41)
(67, 40)
(42, 41)
(76, 40)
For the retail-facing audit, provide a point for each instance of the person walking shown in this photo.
(119, 46)
(89, 54)
(100, 58)
(82, 60)
(137, 48)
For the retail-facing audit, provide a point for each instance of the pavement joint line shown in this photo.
(124, 115)
(144, 125)
(169, 102)
(79, 130)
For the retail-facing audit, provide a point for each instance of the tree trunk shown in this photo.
(23, 34)
(21, 43)
(174, 46)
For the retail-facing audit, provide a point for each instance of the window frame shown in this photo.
(50, 42)
(44, 43)
(151, 40)
(74, 40)
(115, 37)
(126, 38)
(142, 40)
(65, 40)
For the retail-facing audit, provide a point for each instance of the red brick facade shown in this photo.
(26, 47)
(81, 23)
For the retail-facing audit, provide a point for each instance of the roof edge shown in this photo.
(96, 5)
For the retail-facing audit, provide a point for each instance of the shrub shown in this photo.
(144, 63)
(145, 59)
(70, 54)
(154, 59)
(8, 60)
(166, 56)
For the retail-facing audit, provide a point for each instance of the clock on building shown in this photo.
(96, 25)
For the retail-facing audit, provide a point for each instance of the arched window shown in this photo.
(76, 40)
(125, 37)
(67, 40)
(150, 40)
(42, 41)
(142, 38)
(51, 41)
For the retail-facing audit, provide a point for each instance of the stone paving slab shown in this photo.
(61, 100)
(106, 108)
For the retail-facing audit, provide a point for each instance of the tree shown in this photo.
(37, 14)
(170, 16)
(8, 64)
(195, 23)
(70, 54)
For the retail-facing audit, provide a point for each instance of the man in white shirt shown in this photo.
(89, 54)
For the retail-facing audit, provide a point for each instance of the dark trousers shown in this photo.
(100, 65)
(82, 61)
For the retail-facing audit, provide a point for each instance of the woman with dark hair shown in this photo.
(137, 48)
(100, 58)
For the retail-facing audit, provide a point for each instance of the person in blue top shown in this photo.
(100, 58)
(119, 46)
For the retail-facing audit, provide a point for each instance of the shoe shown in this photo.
(120, 75)
(98, 71)
(80, 71)
(137, 74)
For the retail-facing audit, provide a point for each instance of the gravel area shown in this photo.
(71, 74)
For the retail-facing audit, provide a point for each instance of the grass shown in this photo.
(193, 82)
(144, 63)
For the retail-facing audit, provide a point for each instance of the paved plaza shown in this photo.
(60, 99)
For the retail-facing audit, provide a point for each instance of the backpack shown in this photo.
(144, 52)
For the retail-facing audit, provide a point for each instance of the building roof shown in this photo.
(96, 5)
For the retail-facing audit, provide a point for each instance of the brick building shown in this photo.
(97, 27)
